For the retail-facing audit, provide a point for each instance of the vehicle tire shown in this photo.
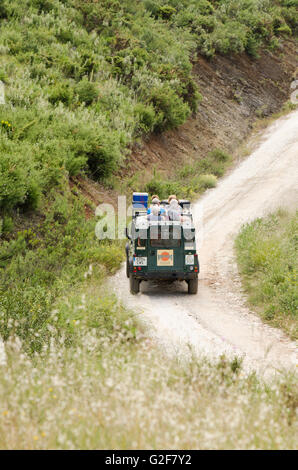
(127, 267)
(127, 259)
(134, 284)
(193, 286)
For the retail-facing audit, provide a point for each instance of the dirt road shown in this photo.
(217, 320)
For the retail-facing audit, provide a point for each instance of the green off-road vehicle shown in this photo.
(161, 249)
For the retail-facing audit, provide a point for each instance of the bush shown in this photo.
(207, 181)
(166, 12)
(6, 225)
(3, 12)
(32, 197)
(252, 46)
(220, 155)
(185, 185)
(171, 110)
(146, 117)
(100, 149)
(15, 182)
(284, 29)
(158, 185)
(61, 93)
(86, 91)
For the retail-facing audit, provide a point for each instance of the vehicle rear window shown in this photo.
(168, 243)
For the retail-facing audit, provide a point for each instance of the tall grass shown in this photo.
(268, 259)
(110, 394)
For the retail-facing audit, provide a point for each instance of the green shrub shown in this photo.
(205, 7)
(207, 181)
(166, 12)
(75, 164)
(146, 117)
(171, 110)
(15, 182)
(164, 188)
(61, 93)
(185, 184)
(3, 11)
(284, 29)
(220, 155)
(252, 46)
(156, 186)
(86, 91)
(44, 5)
(6, 225)
(32, 197)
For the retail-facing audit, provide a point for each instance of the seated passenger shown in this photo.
(156, 202)
(154, 213)
(174, 211)
(173, 198)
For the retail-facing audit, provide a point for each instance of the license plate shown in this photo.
(189, 259)
(140, 261)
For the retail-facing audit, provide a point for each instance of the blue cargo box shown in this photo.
(140, 200)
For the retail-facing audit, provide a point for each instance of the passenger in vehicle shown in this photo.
(156, 202)
(173, 196)
(174, 210)
(154, 213)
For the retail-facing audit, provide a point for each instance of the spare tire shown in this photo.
(127, 260)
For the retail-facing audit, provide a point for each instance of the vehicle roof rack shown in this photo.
(182, 202)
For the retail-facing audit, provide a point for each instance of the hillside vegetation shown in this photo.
(268, 259)
(84, 79)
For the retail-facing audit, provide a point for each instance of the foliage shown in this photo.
(40, 265)
(85, 79)
(192, 178)
(267, 256)
(232, 26)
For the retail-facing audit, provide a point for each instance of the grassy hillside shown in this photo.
(84, 79)
(268, 259)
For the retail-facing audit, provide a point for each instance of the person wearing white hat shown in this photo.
(155, 202)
